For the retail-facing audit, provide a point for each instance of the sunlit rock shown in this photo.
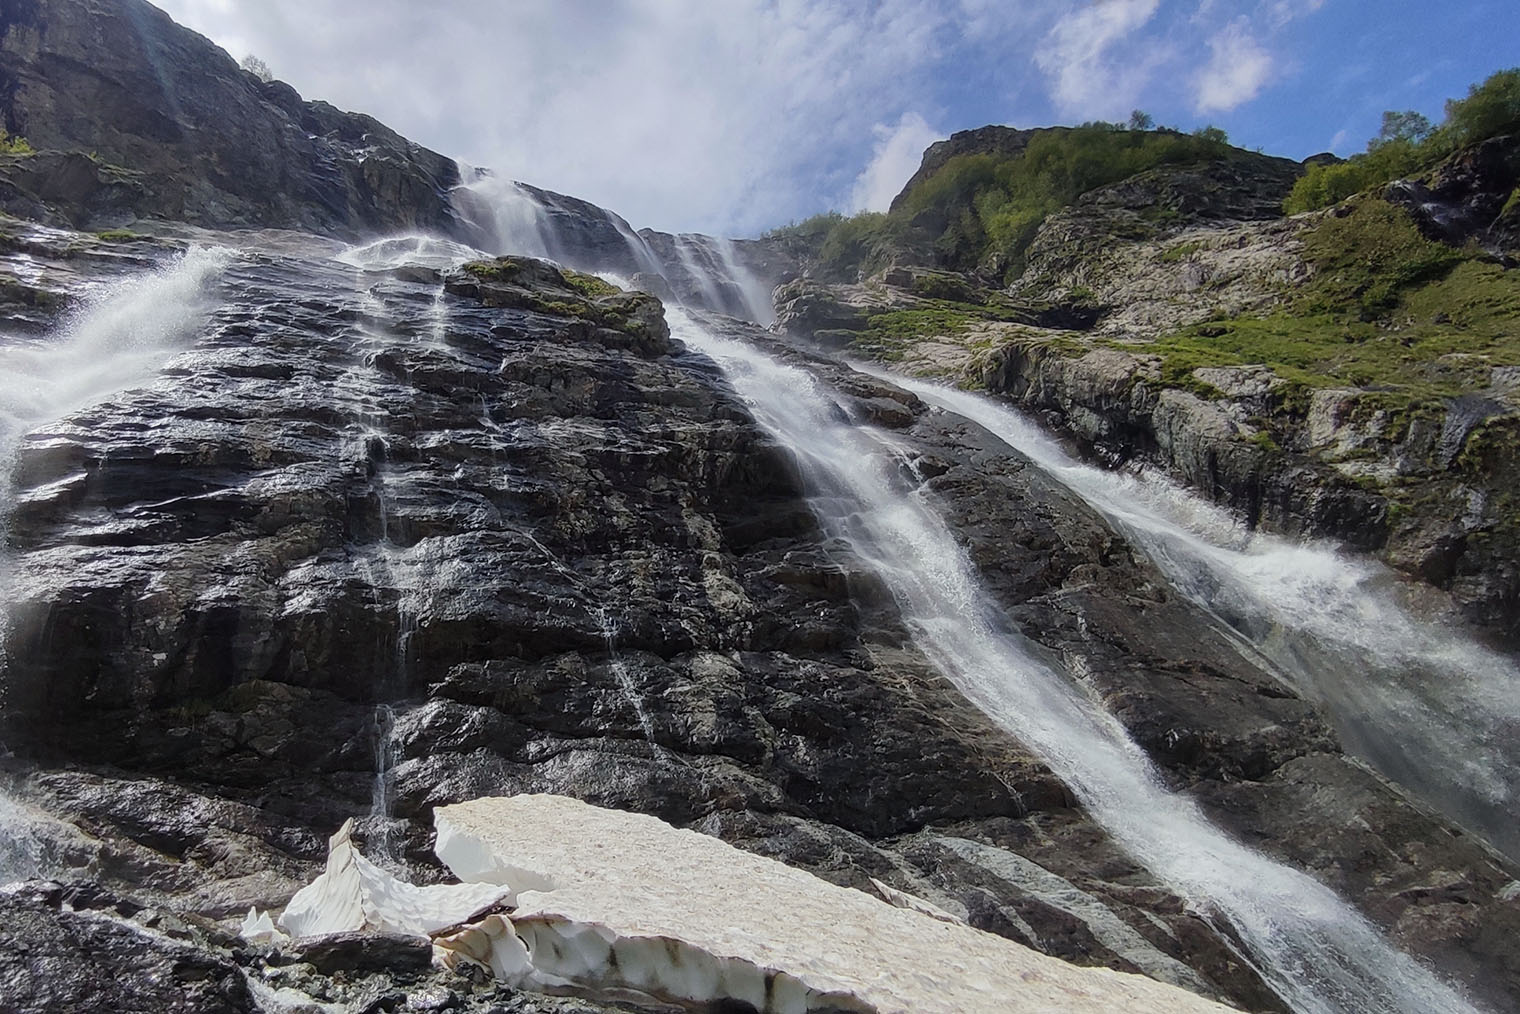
(612, 903)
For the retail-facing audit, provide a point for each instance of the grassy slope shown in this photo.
(1410, 320)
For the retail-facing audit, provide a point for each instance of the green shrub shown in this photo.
(809, 229)
(858, 245)
(981, 211)
(1407, 144)
(1367, 258)
(1490, 109)
(13, 145)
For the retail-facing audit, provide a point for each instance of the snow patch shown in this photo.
(355, 894)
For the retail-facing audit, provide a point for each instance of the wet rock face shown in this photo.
(1113, 402)
(561, 550)
(57, 954)
(1467, 197)
(200, 139)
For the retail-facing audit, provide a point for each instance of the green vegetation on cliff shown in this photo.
(13, 145)
(1409, 319)
(980, 211)
(1408, 143)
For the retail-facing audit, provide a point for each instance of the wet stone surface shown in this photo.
(569, 560)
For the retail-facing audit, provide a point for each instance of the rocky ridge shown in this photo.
(137, 117)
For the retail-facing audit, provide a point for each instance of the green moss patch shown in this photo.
(1366, 259)
(1180, 251)
(590, 286)
(502, 269)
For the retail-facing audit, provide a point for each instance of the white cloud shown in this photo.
(1237, 70)
(1086, 77)
(680, 114)
(1281, 12)
(899, 149)
(738, 115)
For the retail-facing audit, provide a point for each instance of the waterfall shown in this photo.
(1312, 948)
(118, 338)
(1428, 708)
(389, 561)
(503, 217)
(690, 257)
(624, 677)
(757, 297)
(506, 217)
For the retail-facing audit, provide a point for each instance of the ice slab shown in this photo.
(619, 903)
(353, 893)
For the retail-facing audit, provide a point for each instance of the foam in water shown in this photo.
(409, 251)
(1313, 949)
(1433, 711)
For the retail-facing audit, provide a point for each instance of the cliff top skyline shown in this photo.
(732, 118)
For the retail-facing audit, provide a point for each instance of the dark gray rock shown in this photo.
(560, 549)
(364, 952)
(54, 958)
(157, 122)
(1467, 197)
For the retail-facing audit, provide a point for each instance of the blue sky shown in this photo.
(731, 116)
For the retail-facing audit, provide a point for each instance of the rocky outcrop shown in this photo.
(992, 140)
(82, 950)
(1109, 335)
(733, 277)
(1115, 403)
(1468, 197)
(142, 118)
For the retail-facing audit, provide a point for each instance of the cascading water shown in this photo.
(505, 217)
(1432, 711)
(119, 338)
(387, 561)
(623, 676)
(1314, 950)
(510, 218)
(757, 297)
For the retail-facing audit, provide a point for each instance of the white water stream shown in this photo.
(1315, 951)
(1435, 712)
(117, 339)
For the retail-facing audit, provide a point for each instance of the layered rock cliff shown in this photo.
(141, 118)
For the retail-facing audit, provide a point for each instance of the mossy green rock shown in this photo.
(524, 283)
